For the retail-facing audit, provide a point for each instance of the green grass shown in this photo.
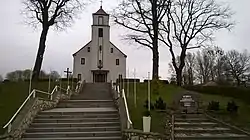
(167, 92)
(241, 119)
(158, 119)
(12, 95)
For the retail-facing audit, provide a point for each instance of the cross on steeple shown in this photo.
(101, 4)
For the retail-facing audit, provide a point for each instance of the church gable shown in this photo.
(85, 47)
(116, 49)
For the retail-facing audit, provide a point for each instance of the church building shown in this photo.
(99, 60)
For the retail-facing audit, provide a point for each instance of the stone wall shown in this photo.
(133, 134)
(22, 122)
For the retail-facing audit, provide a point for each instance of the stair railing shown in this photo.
(122, 92)
(8, 125)
(129, 125)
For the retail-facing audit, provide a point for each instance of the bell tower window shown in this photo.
(100, 32)
(100, 20)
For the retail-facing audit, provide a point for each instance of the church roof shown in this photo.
(82, 48)
(100, 12)
(109, 42)
(119, 50)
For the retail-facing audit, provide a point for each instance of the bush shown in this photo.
(146, 113)
(146, 105)
(213, 106)
(232, 107)
(160, 104)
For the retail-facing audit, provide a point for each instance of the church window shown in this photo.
(100, 20)
(100, 32)
(83, 61)
(117, 61)
(88, 49)
(111, 50)
(100, 47)
(79, 77)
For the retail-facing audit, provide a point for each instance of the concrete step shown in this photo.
(96, 113)
(201, 130)
(189, 116)
(82, 124)
(75, 120)
(192, 124)
(209, 136)
(72, 134)
(85, 103)
(191, 119)
(73, 129)
(86, 115)
(77, 138)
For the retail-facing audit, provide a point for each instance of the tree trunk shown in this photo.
(179, 76)
(238, 81)
(155, 73)
(40, 53)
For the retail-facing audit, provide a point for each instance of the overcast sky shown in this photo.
(19, 43)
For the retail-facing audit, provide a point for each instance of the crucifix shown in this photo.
(68, 72)
(101, 3)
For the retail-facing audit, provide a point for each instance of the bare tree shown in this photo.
(238, 64)
(190, 63)
(191, 23)
(47, 13)
(142, 18)
(54, 75)
(203, 66)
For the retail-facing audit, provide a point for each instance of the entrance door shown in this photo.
(100, 77)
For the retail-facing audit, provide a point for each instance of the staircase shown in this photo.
(90, 115)
(199, 127)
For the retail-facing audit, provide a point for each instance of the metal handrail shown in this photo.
(126, 108)
(8, 124)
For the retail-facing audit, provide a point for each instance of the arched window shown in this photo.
(100, 20)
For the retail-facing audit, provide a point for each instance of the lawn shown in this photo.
(167, 92)
(158, 119)
(12, 95)
(241, 119)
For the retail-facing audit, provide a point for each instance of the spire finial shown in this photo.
(101, 4)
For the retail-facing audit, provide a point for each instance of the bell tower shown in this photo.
(100, 34)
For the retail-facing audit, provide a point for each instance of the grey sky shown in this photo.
(19, 43)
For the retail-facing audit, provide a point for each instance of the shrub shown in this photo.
(146, 113)
(160, 104)
(213, 106)
(146, 105)
(232, 107)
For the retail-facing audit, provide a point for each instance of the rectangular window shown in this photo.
(83, 61)
(79, 77)
(111, 50)
(100, 32)
(117, 61)
(100, 48)
(88, 49)
(100, 20)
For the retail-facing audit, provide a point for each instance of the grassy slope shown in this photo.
(167, 92)
(12, 95)
(242, 119)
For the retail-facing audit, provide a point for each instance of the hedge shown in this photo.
(234, 92)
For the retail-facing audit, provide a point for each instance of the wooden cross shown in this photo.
(68, 72)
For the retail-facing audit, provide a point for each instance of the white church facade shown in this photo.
(99, 60)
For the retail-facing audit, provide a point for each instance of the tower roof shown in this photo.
(100, 12)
